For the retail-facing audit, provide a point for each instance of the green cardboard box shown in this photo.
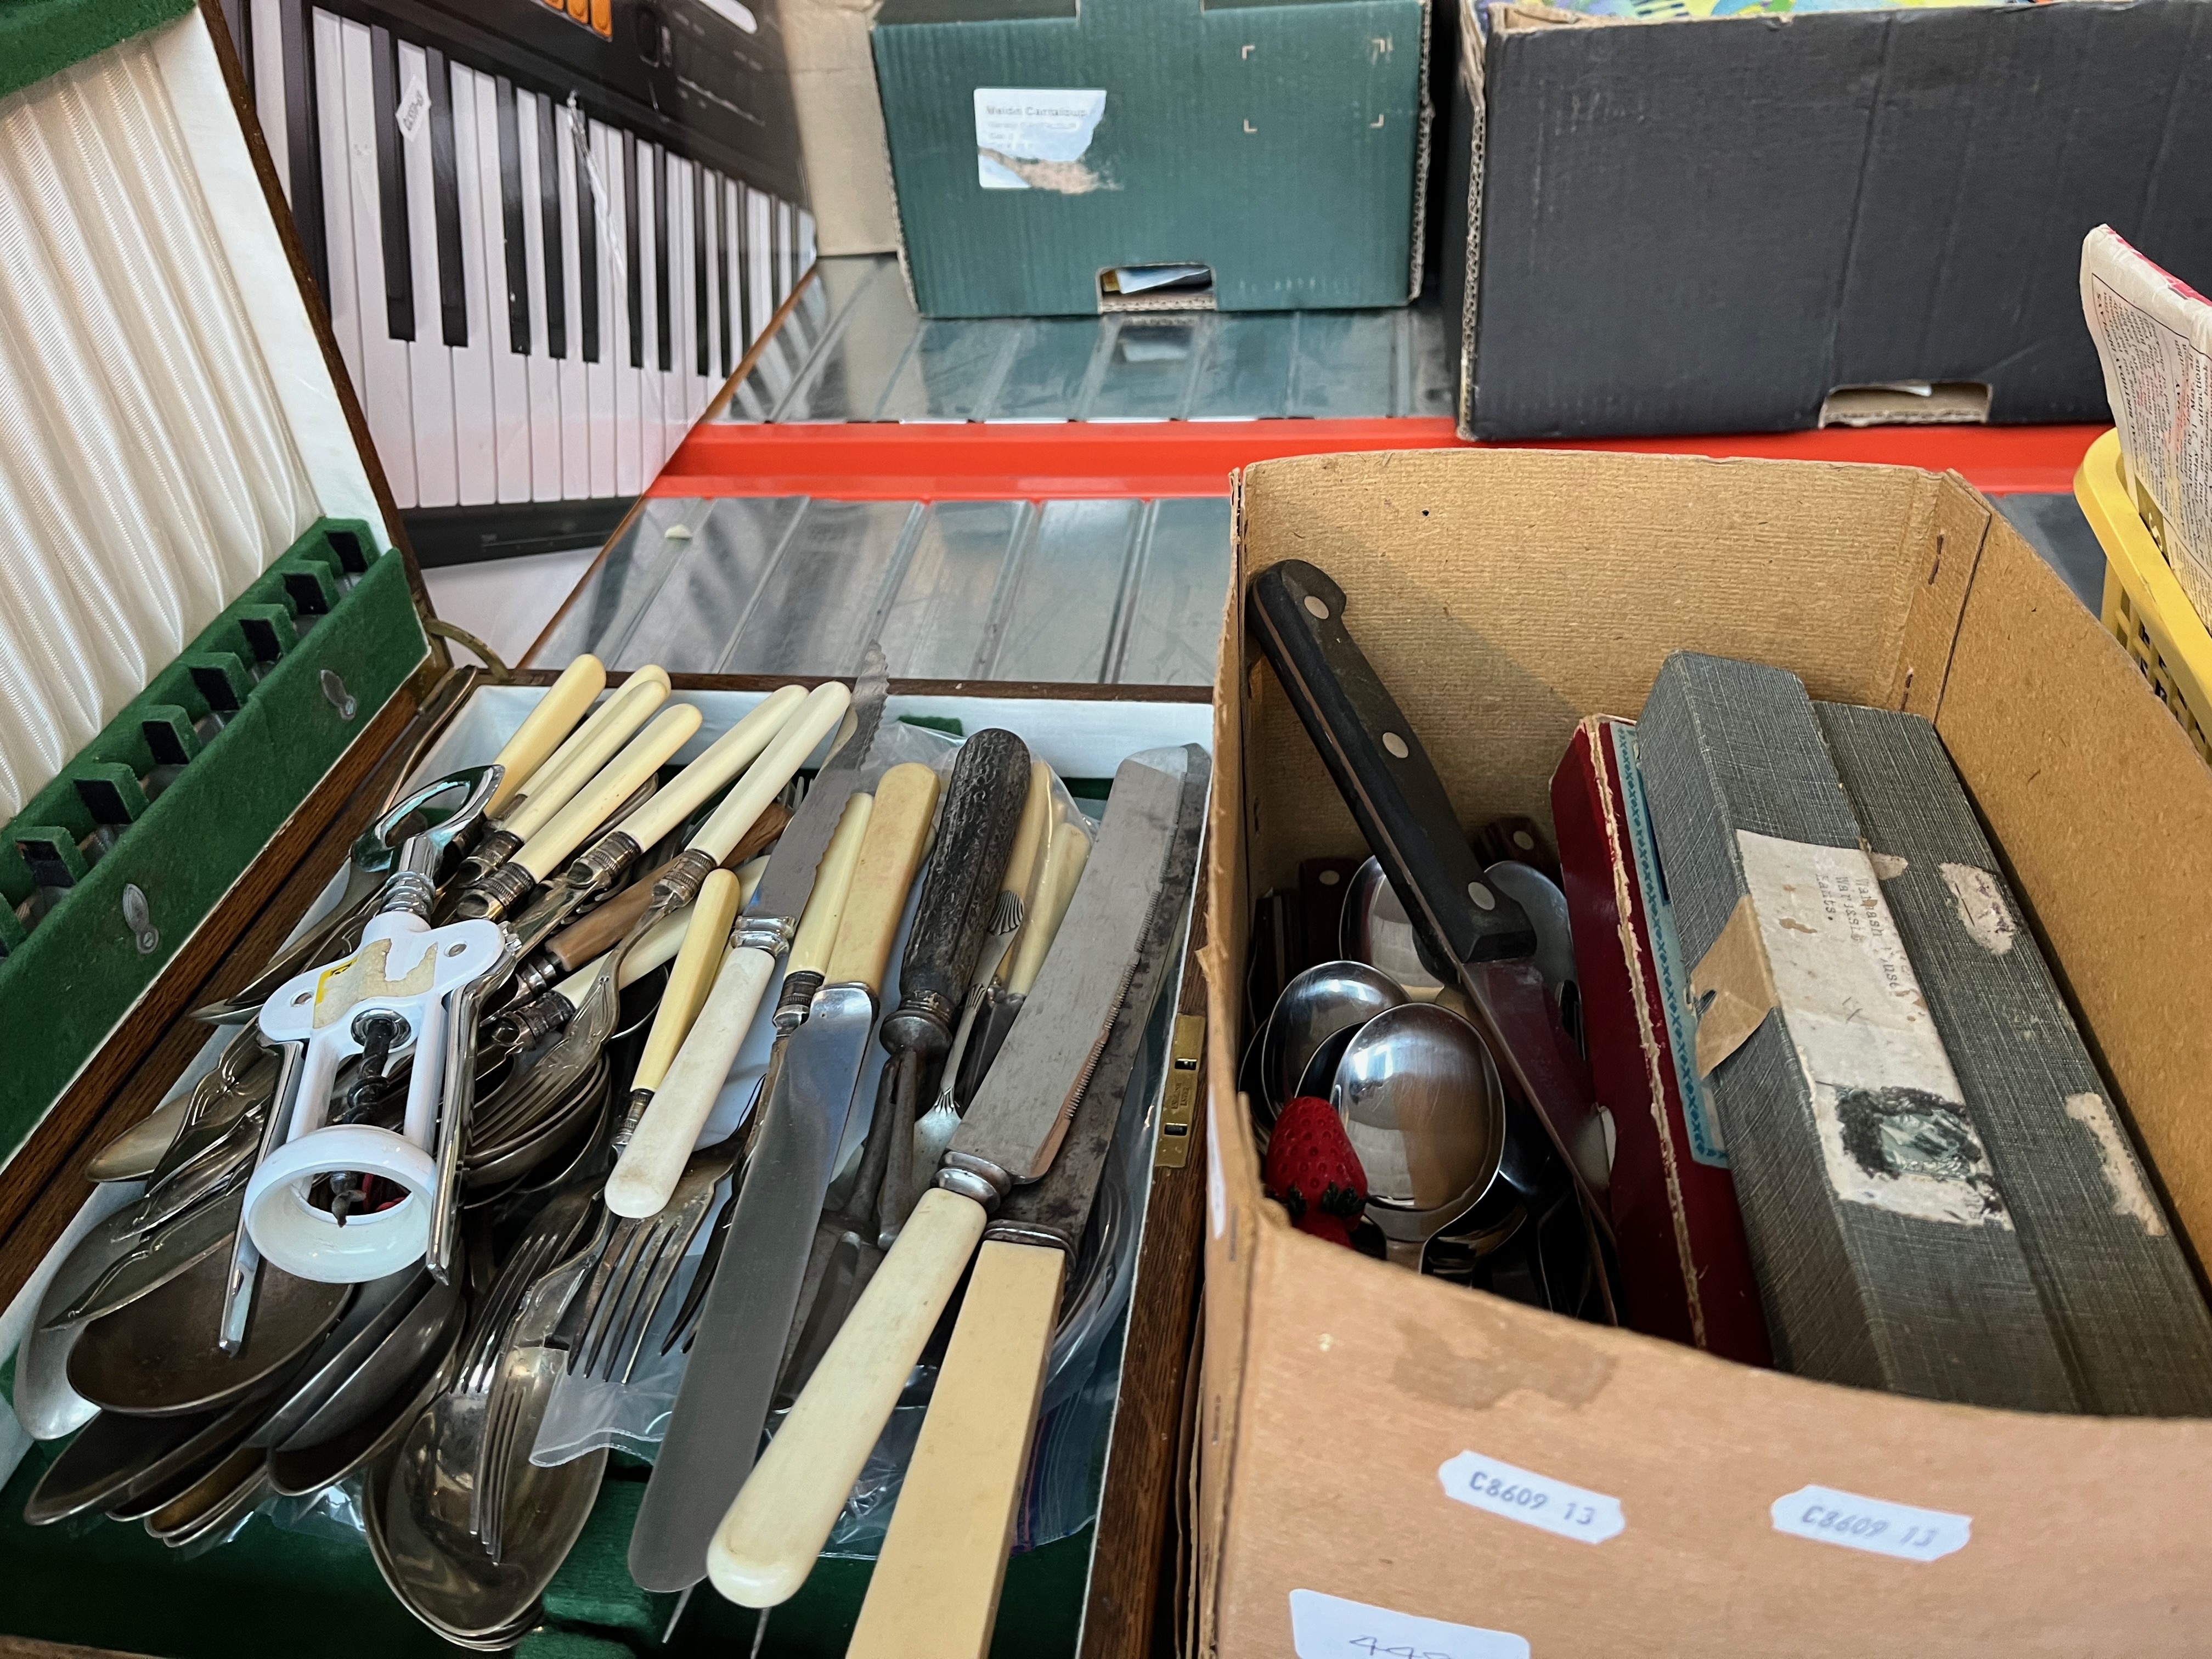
(1045, 156)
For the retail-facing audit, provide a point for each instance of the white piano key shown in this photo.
(476, 423)
(341, 300)
(676, 394)
(650, 382)
(629, 466)
(545, 372)
(386, 398)
(269, 87)
(575, 406)
(601, 374)
(760, 285)
(510, 369)
(805, 241)
(430, 360)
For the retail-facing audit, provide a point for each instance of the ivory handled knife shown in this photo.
(1057, 877)
(1013, 1132)
(730, 1381)
(601, 867)
(545, 728)
(568, 768)
(653, 1161)
(705, 932)
(502, 892)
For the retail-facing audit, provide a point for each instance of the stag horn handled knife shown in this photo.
(769, 1540)
(1468, 930)
(568, 768)
(601, 866)
(984, 805)
(727, 1387)
(935, 1589)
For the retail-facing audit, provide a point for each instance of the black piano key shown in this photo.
(445, 200)
(587, 237)
(548, 199)
(392, 188)
(303, 146)
(510, 201)
(661, 255)
(722, 277)
(702, 324)
(634, 278)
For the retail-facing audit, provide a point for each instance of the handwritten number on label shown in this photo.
(1376, 1646)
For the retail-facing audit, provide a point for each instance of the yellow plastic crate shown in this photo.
(2145, 609)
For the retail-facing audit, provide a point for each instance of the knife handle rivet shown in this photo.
(1482, 896)
(1317, 607)
(1395, 745)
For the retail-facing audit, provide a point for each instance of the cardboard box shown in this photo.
(841, 125)
(1503, 596)
(1036, 146)
(1713, 225)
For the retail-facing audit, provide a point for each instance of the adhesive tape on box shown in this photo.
(306, 1242)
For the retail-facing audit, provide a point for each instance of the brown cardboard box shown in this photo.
(841, 124)
(1502, 596)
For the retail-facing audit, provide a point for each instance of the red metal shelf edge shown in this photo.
(989, 461)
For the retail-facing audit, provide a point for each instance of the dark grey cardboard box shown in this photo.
(1035, 145)
(1711, 225)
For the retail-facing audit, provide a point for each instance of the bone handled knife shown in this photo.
(600, 867)
(704, 936)
(545, 728)
(935, 1590)
(723, 1402)
(568, 768)
(770, 1538)
(501, 893)
(653, 1161)
(1469, 931)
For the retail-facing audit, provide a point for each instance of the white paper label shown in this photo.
(414, 104)
(1034, 138)
(1216, 1191)
(1872, 1524)
(2131, 1198)
(1532, 1499)
(1330, 1627)
(1893, 1122)
(1982, 908)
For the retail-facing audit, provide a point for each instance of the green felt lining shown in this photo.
(38, 37)
(81, 967)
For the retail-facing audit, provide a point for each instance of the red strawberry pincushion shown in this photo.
(1313, 1172)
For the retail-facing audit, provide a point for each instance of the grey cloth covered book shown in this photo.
(1886, 1252)
(2128, 1313)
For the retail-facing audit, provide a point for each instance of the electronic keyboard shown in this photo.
(545, 235)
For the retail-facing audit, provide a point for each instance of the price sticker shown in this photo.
(414, 104)
(1872, 1524)
(1331, 1627)
(1534, 1500)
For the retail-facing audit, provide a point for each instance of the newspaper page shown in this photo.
(2154, 335)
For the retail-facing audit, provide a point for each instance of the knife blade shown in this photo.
(723, 1401)
(943, 1558)
(769, 1540)
(1467, 929)
(1062, 871)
